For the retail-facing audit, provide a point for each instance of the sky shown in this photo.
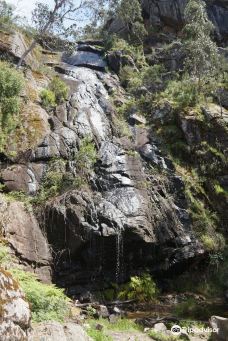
(24, 7)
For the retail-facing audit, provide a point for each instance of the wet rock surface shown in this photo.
(134, 211)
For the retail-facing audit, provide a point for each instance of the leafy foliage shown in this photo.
(47, 99)
(202, 52)
(59, 88)
(47, 301)
(11, 84)
(4, 254)
(141, 288)
(86, 158)
(130, 12)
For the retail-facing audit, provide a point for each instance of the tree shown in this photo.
(201, 51)
(56, 20)
(130, 12)
(6, 13)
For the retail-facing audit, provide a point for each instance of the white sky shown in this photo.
(25, 7)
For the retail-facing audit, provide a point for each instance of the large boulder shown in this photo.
(54, 331)
(15, 314)
(21, 230)
(220, 328)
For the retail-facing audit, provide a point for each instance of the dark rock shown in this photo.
(99, 327)
(117, 59)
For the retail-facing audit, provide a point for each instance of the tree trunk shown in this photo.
(31, 47)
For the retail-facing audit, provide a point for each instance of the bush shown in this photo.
(141, 288)
(48, 99)
(11, 84)
(182, 94)
(59, 88)
(47, 301)
(4, 255)
(86, 157)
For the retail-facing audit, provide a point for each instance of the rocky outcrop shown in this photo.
(162, 13)
(14, 309)
(21, 229)
(54, 331)
(129, 215)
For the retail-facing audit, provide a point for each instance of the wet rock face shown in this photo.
(134, 213)
(14, 309)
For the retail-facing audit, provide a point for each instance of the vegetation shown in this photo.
(47, 301)
(47, 99)
(59, 89)
(202, 53)
(11, 85)
(142, 288)
(122, 324)
(130, 12)
(5, 258)
(6, 13)
(86, 158)
(157, 336)
(56, 93)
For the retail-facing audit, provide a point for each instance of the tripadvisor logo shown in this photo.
(176, 330)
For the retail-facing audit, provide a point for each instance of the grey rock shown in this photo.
(84, 58)
(55, 331)
(24, 236)
(159, 327)
(15, 312)
(220, 326)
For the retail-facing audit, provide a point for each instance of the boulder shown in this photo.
(13, 43)
(89, 58)
(55, 331)
(23, 178)
(117, 60)
(220, 328)
(14, 310)
(24, 236)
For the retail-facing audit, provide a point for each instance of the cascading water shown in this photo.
(119, 254)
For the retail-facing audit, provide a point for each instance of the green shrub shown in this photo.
(54, 181)
(4, 255)
(59, 88)
(47, 301)
(182, 94)
(141, 288)
(86, 157)
(11, 84)
(48, 99)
